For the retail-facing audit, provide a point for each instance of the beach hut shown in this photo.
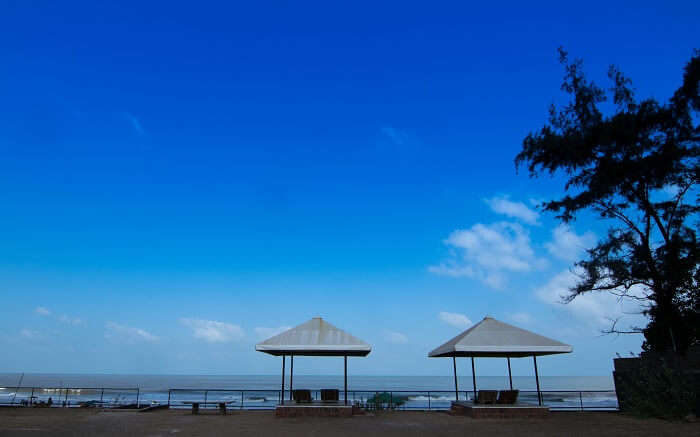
(495, 339)
(316, 338)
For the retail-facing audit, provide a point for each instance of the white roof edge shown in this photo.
(265, 347)
(460, 348)
(503, 350)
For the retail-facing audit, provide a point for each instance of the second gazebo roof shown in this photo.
(492, 338)
(315, 337)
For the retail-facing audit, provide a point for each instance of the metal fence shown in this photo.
(107, 397)
(425, 400)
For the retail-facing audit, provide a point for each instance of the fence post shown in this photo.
(102, 393)
(242, 400)
(138, 394)
(205, 398)
(580, 398)
(428, 401)
(31, 397)
(169, 390)
(65, 401)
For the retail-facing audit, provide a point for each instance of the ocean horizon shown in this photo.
(272, 382)
(262, 391)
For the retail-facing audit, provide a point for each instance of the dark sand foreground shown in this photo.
(74, 422)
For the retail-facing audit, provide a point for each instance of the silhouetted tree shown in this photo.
(638, 166)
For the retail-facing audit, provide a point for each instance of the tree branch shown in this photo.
(679, 197)
(613, 329)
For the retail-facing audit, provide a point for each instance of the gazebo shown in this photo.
(317, 338)
(494, 339)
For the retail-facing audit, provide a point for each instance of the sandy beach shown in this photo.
(75, 422)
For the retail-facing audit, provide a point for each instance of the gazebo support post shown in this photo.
(291, 376)
(510, 376)
(345, 357)
(474, 379)
(282, 393)
(537, 381)
(454, 367)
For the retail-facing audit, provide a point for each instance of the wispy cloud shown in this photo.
(264, 333)
(115, 331)
(134, 122)
(567, 245)
(42, 311)
(397, 136)
(213, 331)
(489, 252)
(455, 319)
(522, 318)
(395, 337)
(28, 333)
(518, 210)
(671, 190)
(63, 318)
(595, 309)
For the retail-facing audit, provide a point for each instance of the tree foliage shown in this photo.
(637, 164)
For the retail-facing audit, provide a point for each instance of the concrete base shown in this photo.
(314, 410)
(498, 411)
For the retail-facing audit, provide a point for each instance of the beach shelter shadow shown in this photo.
(492, 338)
(316, 338)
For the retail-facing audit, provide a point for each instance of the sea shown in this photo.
(263, 391)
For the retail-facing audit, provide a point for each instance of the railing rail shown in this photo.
(70, 396)
(256, 399)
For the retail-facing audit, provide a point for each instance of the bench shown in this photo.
(330, 395)
(302, 396)
(507, 396)
(195, 406)
(487, 397)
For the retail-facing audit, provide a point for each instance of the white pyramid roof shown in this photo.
(493, 338)
(315, 337)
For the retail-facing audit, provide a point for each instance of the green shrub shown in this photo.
(385, 400)
(657, 390)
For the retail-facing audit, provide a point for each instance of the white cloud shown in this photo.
(28, 333)
(42, 311)
(265, 333)
(397, 136)
(70, 320)
(135, 123)
(212, 331)
(395, 337)
(489, 252)
(523, 318)
(518, 210)
(115, 331)
(535, 202)
(596, 309)
(450, 268)
(567, 245)
(455, 319)
(671, 190)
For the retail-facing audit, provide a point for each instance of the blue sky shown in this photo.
(179, 181)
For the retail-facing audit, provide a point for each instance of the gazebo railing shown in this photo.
(235, 399)
(259, 399)
(556, 400)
